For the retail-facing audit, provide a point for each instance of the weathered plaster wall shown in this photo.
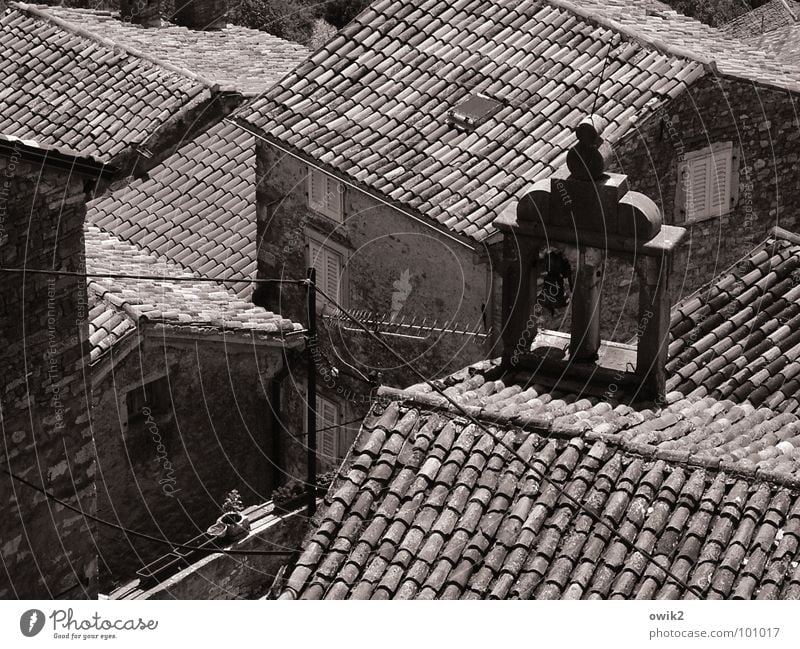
(46, 550)
(167, 475)
(448, 282)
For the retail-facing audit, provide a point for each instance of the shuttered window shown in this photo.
(329, 264)
(325, 194)
(329, 434)
(706, 179)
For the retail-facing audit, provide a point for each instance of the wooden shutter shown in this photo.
(697, 188)
(316, 259)
(720, 185)
(327, 416)
(316, 189)
(324, 194)
(333, 272)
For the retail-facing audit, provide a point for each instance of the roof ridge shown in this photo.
(165, 22)
(107, 42)
(790, 10)
(676, 457)
(644, 40)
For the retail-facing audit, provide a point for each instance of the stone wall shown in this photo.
(165, 472)
(446, 281)
(220, 576)
(46, 549)
(762, 125)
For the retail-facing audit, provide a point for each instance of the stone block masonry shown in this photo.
(394, 266)
(761, 124)
(46, 550)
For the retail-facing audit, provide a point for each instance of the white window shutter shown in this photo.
(316, 189)
(697, 188)
(720, 185)
(324, 194)
(327, 416)
(333, 271)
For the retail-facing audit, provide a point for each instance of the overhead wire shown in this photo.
(499, 440)
(142, 535)
(160, 278)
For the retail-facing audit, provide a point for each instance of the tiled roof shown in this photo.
(247, 60)
(120, 305)
(772, 15)
(81, 94)
(783, 43)
(739, 337)
(429, 506)
(373, 103)
(196, 209)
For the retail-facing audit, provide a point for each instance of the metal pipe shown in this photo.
(311, 418)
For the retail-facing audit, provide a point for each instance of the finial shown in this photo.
(587, 159)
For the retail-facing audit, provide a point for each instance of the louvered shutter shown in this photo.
(719, 187)
(324, 194)
(697, 188)
(316, 258)
(333, 271)
(316, 189)
(327, 416)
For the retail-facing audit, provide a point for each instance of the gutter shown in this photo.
(32, 152)
(459, 239)
(210, 333)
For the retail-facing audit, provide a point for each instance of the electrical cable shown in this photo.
(161, 278)
(142, 535)
(498, 440)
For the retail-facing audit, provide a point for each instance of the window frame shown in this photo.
(727, 153)
(331, 187)
(341, 445)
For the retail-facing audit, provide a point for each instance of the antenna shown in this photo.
(602, 74)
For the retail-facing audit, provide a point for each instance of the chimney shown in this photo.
(146, 13)
(594, 213)
(203, 15)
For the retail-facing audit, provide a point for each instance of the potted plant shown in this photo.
(233, 523)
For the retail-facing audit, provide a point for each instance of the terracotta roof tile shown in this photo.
(247, 60)
(706, 486)
(724, 536)
(197, 234)
(374, 103)
(737, 336)
(118, 306)
(79, 93)
(766, 18)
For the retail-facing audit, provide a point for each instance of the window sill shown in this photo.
(703, 219)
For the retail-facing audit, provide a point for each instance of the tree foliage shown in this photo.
(290, 19)
(713, 12)
(340, 12)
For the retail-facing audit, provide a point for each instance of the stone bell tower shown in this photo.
(594, 213)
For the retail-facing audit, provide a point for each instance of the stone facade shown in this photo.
(209, 427)
(396, 266)
(761, 125)
(46, 549)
